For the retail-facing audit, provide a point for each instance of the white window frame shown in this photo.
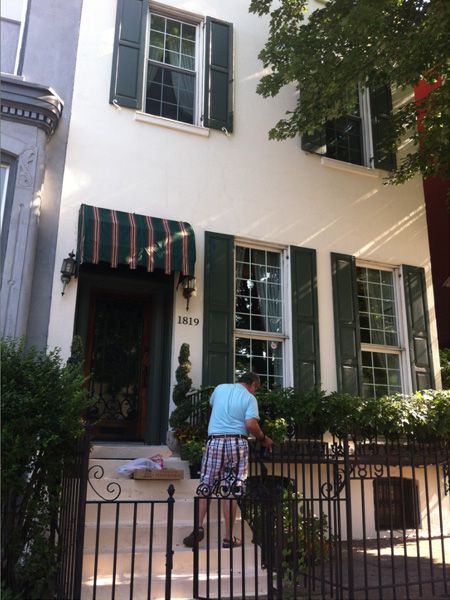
(198, 21)
(402, 331)
(368, 150)
(4, 188)
(283, 338)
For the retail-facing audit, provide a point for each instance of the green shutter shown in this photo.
(305, 318)
(218, 309)
(218, 109)
(346, 325)
(380, 111)
(418, 327)
(315, 142)
(128, 56)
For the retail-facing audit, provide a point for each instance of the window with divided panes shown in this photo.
(357, 137)
(171, 69)
(379, 332)
(259, 314)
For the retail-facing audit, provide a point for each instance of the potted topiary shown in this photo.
(193, 451)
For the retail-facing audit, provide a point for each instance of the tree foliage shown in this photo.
(373, 43)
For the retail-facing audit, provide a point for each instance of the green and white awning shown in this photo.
(121, 238)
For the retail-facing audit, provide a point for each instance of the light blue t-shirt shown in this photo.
(231, 405)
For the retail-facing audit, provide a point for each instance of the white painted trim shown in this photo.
(259, 244)
(346, 167)
(176, 13)
(407, 384)
(288, 353)
(3, 192)
(365, 347)
(376, 265)
(170, 124)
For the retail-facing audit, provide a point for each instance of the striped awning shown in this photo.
(121, 238)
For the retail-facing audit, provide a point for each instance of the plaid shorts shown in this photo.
(224, 458)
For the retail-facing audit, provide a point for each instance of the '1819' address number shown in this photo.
(188, 321)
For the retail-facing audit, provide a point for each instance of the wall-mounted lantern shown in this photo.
(187, 283)
(68, 270)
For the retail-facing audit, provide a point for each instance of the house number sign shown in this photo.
(193, 322)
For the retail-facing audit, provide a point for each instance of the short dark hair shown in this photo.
(249, 378)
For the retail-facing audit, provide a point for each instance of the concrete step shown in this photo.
(216, 559)
(105, 535)
(109, 486)
(181, 587)
(111, 464)
(221, 572)
(127, 450)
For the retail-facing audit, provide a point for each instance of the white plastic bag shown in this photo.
(137, 463)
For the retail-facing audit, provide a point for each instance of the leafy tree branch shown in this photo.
(363, 43)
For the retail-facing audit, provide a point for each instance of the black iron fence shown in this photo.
(71, 522)
(199, 406)
(127, 552)
(333, 518)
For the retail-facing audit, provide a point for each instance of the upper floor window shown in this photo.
(172, 64)
(172, 69)
(259, 338)
(356, 137)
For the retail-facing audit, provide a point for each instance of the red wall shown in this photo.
(438, 220)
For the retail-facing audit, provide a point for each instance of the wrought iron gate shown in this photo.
(332, 519)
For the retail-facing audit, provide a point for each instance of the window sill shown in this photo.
(178, 125)
(340, 165)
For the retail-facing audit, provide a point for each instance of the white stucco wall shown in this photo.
(243, 184)
(316, 488)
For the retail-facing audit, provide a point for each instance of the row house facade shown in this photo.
(308, 268)
(37, 71)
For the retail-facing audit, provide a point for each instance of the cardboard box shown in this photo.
(158, 474)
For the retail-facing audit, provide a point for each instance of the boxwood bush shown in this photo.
(42, 400)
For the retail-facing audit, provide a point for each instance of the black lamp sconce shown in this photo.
(187, 283)
(68, 270)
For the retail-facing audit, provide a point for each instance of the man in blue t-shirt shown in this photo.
(234, 416)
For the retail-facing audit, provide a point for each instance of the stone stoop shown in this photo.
(229, 571)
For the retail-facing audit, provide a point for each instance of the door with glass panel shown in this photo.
(117, 366)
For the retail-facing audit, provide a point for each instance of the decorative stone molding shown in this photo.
(30, 103)
(27, 163)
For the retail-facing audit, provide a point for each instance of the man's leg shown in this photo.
(229, 514)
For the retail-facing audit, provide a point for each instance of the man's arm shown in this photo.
(254, 429)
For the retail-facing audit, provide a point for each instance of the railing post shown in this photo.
(196, 557)
(348, 515)
(169, 541)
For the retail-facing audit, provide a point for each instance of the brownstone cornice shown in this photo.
(30, 103)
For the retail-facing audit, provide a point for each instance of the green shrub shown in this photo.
(42, 401)
(444, 355)
(193, 451)
(424, 415)
(181, 388)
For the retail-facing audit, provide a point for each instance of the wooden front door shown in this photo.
(117, 366)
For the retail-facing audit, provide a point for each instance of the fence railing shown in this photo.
(71, 522)
(127, 554)
(199, 406)
(365, 519)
